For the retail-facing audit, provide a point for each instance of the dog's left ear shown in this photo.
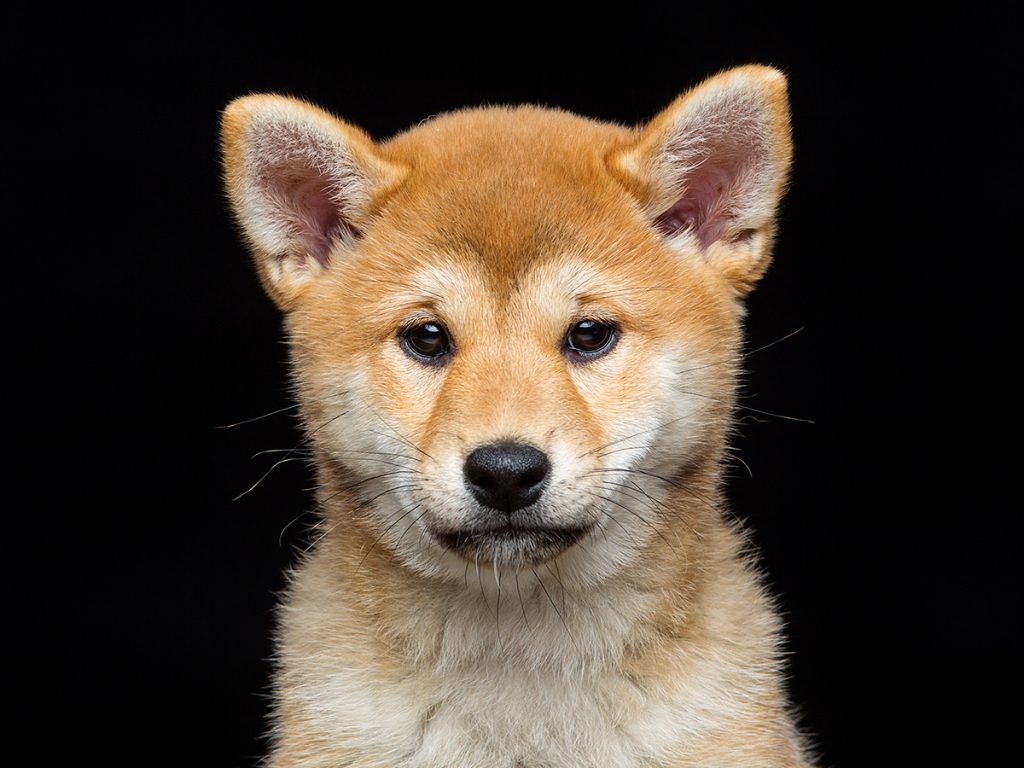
(710, 169)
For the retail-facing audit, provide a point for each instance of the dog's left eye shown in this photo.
(590, 338)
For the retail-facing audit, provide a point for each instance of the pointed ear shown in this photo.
(303, 185)
(710, 169)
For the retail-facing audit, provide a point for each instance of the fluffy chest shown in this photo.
(508, 717)
(490, 716)
(537, 697)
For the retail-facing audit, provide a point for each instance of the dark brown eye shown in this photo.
(590, 338)
(427, 341)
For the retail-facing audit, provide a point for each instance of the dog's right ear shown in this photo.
(303, 185)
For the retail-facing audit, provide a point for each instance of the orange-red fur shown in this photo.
(655, 645)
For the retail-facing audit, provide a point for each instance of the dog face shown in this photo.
(513, 331)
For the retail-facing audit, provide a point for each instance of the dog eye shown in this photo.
(590, 338)
(427, 341)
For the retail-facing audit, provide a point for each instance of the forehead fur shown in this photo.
(511, 185)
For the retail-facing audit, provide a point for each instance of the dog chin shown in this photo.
(510, 545)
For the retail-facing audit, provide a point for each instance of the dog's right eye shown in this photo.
(427, 342)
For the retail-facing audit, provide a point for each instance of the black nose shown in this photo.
(507, 476)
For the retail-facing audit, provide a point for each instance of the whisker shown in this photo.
(329, 421)
(392, 473)
(258, 418)
(558, 578)
(655, 505)
(629, 437)
(522, 605)
(560, 616)
(576, 597)
(779, 340)
(309, 453)
(614, 486)
(295, 449)
(618, 522)
(305, 454)
(636, 514)
(321, 505)
(401, 467)
(744, 355)
(735, 454)
(675, 483)
(408, 511)
(280, 450)
(409, 527)
(402, 437)
(497, 605)
(266, 474)
(386, 453)
(476, 564)
(775, 415)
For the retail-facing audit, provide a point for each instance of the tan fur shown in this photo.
(651, 641)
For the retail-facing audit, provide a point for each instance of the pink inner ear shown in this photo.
(704, 207)
(304, 196)
(683, 216)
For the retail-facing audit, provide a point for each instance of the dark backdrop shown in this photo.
(886, 527)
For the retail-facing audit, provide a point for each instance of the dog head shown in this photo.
(514, 331)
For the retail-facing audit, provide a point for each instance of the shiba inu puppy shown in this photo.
(515, 335)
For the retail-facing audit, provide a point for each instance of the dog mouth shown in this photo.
(511, 544)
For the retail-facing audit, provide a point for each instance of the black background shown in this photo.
(887, 528)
